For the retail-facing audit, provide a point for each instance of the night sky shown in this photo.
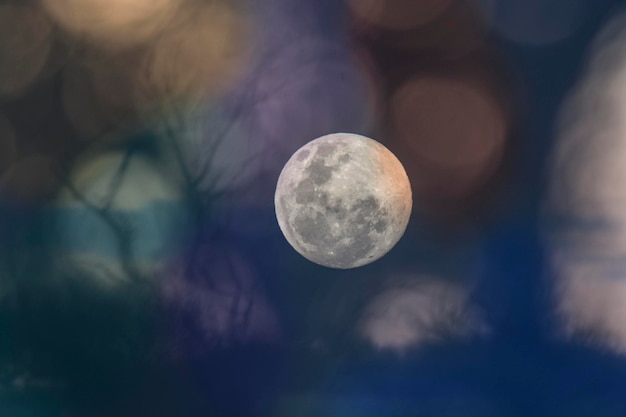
(142, 269)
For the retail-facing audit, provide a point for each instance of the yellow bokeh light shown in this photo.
(198, 54)
(114, 23)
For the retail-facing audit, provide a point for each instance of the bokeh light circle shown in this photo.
(451, 132)
(112, 23)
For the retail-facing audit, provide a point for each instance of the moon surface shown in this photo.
(343, 200)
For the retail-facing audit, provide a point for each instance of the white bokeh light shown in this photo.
(587, 200)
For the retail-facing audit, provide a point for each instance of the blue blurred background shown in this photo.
(142, 269)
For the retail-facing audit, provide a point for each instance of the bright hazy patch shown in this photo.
(587, 200)
(142, 183)
(113, 23)
(115, 219)
(420, 312)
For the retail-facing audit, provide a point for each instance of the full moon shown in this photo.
(343, 200)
